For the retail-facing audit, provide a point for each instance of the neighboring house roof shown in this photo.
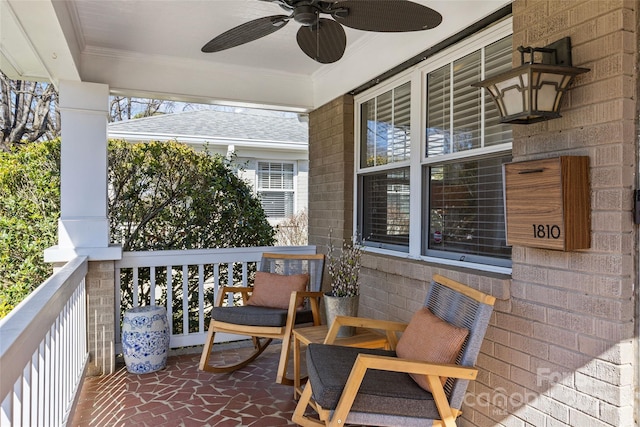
(254, 128)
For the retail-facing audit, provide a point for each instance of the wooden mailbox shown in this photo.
(547, 203)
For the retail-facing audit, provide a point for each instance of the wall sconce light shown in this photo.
(532, 92)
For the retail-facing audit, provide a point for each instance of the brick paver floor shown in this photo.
(181, 395)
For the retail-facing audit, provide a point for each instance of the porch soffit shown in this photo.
(152, 48)
(33, 45)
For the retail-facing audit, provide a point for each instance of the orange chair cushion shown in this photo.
(430, 339)
(274, 290)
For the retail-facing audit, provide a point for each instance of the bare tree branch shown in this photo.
(28, 112)
(126, 108)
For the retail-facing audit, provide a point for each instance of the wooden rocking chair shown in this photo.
(404, 387)
(286, 293)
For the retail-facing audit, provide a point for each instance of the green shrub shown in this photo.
(167, 196)
(29, 211)
(162, 196)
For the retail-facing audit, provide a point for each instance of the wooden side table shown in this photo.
(364, 338)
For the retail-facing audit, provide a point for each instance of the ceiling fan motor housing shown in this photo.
(305, 15)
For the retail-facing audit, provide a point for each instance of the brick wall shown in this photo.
(564, 343)
(560, 347)
(331, 151)
(100, 284)
(394, 289)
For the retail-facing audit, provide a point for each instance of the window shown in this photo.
(386, 127)
(386, 141)
(461, 174)
(385, 206)
(275, 189)
(466, 213)
(449, 194)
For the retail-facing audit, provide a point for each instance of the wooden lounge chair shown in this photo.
(379, 387)
(270, 309)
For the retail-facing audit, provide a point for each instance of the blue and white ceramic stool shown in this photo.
(145, 339)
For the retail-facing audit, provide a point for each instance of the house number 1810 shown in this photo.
(546, 231)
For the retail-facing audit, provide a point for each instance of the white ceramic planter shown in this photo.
(145, 339)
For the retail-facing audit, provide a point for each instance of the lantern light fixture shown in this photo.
(533, 91)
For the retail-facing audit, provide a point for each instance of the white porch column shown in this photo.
(83, 228)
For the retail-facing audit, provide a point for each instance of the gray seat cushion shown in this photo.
(258, 316)
(381, 392)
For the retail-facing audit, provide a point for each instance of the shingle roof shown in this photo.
(249, 125)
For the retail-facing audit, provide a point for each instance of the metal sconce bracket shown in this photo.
(557, 53)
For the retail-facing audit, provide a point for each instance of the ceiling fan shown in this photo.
(322, 39)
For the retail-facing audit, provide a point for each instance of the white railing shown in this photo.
(43, 350)
(184, 277)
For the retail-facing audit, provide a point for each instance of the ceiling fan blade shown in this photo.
(324, 42)
(247, 32)
(386, 16)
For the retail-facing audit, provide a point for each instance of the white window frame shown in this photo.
(417, 75)
(293, 190)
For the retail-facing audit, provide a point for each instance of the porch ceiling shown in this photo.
(152, 48)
